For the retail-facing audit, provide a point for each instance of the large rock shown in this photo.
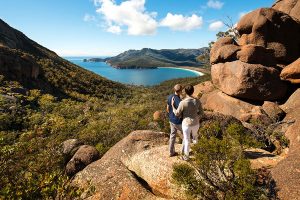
(254, 54)
(249, 81)
(287, 172)
(223, 50)
(272, 29)
(158, 115)
(202, 88)
(273, 111)
(69, 147)
(291, 72)
(155, 167)
(225, 53)
(291, 104)
(119, 174)
(83, 157)
(219, 102)
(290, 7)
(260, 158)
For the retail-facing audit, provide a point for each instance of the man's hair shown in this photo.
(177, 88)
(189, 90)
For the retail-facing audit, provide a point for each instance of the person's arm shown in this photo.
(179, 110)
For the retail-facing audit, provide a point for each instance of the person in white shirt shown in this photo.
(191, 110)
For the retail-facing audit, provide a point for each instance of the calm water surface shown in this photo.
(146, 77)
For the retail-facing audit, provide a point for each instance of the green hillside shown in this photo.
(45, 100)
(157, 58)
(37, 67)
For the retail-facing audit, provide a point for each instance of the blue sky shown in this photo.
(109, 27)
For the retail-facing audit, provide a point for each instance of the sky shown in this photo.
(109, 27)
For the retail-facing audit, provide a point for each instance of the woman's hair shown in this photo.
(189, 90)
(177, 88)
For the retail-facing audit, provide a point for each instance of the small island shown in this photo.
(94, 60)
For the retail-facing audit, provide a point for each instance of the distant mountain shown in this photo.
(34, 66)
(157, 58)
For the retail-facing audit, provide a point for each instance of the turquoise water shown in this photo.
(146, 77)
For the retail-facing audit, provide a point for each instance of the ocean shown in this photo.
(145, 77)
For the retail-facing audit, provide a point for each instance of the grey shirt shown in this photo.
(190, 109)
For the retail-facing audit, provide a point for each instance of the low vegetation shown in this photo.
(33, 125)
(219, 169)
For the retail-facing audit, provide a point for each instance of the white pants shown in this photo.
(187, 131)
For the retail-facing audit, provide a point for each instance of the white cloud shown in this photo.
(114, 29)
(182, 23)
(216, 26)
(89, 18)
(130, 14)
(215, 4)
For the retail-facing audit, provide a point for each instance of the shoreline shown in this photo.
(201, 70)
(185, 69)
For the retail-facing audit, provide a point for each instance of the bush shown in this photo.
(219, 169)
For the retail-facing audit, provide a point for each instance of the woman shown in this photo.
(190, 109)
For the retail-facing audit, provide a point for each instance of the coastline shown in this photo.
(183, 68)
(199, 71)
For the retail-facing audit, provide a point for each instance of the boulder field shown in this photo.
(137, 167)
(257, 76)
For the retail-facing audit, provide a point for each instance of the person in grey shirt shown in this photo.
(175, 121)
(191, 110)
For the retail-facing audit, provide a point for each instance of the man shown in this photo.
(175, 122)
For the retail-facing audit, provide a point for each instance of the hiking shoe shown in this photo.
(173, 154)
(185, 158)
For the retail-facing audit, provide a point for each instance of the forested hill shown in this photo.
(157, 58)
(34, 66)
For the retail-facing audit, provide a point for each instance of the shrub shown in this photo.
(219, 172)
(238, 132)
(219, 169)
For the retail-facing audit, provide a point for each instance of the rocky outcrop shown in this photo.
(260, 158)
(203, 88)
(223, 50)
(273, 111)
(249, 81)
(254, 54)
(251, 67)
(269, 58)
(292, 72)
(155, 167)
(290, 7)
(18, 65)
(219, 102)
(83, 157)
(287, 172)
(132, 170)
(271, 29)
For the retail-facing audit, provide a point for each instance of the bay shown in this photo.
(145, 77)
